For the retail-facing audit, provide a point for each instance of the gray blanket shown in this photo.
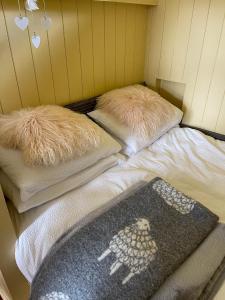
(198, 277)
(126, 251)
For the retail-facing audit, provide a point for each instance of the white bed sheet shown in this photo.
(189, 160)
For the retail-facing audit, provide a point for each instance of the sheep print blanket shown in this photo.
(127, 249)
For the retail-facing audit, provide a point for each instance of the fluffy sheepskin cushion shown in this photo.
(141, 109)
(49, 134)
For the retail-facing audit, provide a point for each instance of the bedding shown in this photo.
(136, 115)
(32, 183)
(186, 158)
(139, 108)
(127, 249)
(53, 191)
(130, 144)
(48, 134)
(194, 277)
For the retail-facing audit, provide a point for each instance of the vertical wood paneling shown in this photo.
(110, 45)
(120, 43)
(9, 92)
(90, 48)
(193, 35)
(41, 60)
(217, 88)
(140, 46)
(197, 35)
(24, 67)
(98, 27)
(169, 35)
(156, 19)
(182, 38)
(207, 63)
(58, 53)
(220, 124)
(1, 110)
(86, 46)
(130, 43)
(72, 46)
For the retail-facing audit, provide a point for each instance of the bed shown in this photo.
(185, 157)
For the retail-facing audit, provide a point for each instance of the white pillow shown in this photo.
(30, 180)
(132, 143)
(54, 191)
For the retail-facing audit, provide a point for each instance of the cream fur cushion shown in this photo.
(49, 134)
(142, 110)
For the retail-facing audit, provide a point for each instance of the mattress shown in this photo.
(186, 158)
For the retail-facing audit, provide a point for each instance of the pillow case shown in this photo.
(48, 135)
(137, 107)
(30, 180)
(72, 182)
(138, 124)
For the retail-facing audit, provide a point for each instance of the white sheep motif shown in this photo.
(133, 247)
(173, 198)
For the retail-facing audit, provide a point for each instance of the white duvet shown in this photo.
(189, 160)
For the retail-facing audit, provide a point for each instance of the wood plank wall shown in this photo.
(186, 44)
(91, 47)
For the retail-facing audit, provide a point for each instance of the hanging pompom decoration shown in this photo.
(36, 40)
(21, 22)
(31, 5)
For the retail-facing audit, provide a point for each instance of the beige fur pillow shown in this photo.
(49, 134)
(139, 108)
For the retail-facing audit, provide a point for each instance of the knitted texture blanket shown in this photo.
(126, 249)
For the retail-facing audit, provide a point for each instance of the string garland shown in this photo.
(46, 21)
(19, 8)
(22, 22)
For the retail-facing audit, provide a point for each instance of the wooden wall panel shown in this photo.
(58, 53)
(24, 64)
(182, 38)
(216, 89)
(190, 37)
(155, 28)
(71, 35)
(208, 59)
(86, 46)
(1, 110)
(98, 25)
(220, 121)
(130, 43)
(120, 43)
(90, 48)
(42, 61)
(140, 46)
(9, 90)
(196, 41)
(169, 35)
(110, 45)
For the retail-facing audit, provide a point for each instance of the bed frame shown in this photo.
(17, 284)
